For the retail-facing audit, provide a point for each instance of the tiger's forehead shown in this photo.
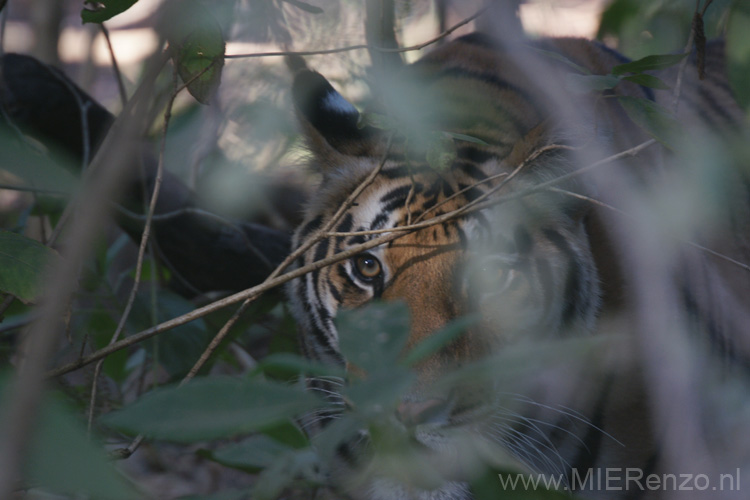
(399, 191)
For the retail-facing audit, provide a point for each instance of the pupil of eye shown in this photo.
(369, 267)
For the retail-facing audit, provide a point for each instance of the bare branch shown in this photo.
(616, 210)
(275, 280)
(142, 246)
(115, 67)
(350, 48)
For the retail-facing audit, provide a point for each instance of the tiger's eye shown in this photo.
(368, 266)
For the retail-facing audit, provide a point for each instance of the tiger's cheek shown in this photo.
(424, 277)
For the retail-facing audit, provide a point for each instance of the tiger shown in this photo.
(539, 254)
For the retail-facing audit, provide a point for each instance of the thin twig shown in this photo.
(165, 216)
(224, 331)
(363, 46)
(320, 234)
(115, 67)
(319, 264)
(705, 7)
(618, 211)
(142, 248)
(31, 189)
(683, 64)
(509, 176)
(83, 108)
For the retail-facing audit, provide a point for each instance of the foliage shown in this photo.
(23, 265)
(253, 419)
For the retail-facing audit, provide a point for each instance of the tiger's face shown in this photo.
(524, 266)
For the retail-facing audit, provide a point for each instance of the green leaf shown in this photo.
(654, 119)
(289, 434)
(285, 365)
(582, 84)
(647, 81)
(281, 473)
(87, 471)
(616, 15)
(648, 63)
(197, 47)
(250, 455)
(381, 391)
(98, 11)
(515, 368)
(212, 408)
(23, 264)
(375, 335)
(738, 53)
(464, 137)
(46, 172)
(439, 339)
(62, 459)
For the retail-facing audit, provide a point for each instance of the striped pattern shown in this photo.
(531, 267)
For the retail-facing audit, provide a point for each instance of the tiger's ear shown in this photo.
(329, 120)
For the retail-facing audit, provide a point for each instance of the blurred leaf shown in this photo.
(441, 151)
(211, 408)
(654, 119)
(289, 434)
(375, 335)
(23, 264)
(2, 4)
(99, 325)
(647, 81)
(89, 471)
(616, 15)
(305, 6)
(439, 339)
(62, 458)
(286, 365)
(464, 137)
(198, 47)
(250, 455)
(283, 471)
(738, 52)
(48, 205)
(582, 84)
(381, 391)
(345, 428)
(518, 366)
(98, 11)
(377, 120)
(46, 172)
(649, 63)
